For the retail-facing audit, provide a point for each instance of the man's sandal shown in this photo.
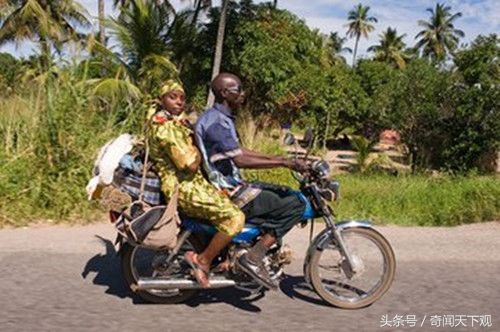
(198, 272)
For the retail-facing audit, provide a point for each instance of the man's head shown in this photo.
(228, 90)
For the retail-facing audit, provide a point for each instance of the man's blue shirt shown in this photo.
(216, 136)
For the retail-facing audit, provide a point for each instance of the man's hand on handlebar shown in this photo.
(298, 165)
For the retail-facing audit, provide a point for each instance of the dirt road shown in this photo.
(63, 278)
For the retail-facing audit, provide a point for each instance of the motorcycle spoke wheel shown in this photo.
(142, 267)
(138, 262)
(374, 266)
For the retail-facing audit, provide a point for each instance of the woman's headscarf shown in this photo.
(169, 86)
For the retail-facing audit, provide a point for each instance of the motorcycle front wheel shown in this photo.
(139, 262)
(374, 264)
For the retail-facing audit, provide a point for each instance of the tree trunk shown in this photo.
(327, 129)
(196, 13)
(355, 51)
(218, 48)
(102, 34)
(46, 57)
(275, 3)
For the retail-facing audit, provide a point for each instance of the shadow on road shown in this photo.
(108, 273)
(237, 298)
(296, 287)
(108, 269)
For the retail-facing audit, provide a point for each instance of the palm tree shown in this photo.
(102, 36)
(142, 31)
(50, 23)
(164, 6)
(198, 7)
(439, 36)
(218, 47)
(333, 46)
(359, 25)
(391, 48)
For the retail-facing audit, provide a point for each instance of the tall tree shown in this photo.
(101, 16)
(102, 33)
(391, 48)
(439, 37)
(164, 7)
(334, 47)
(218, 47)
(142, 31)
(50, 23)
(359, 24)
(198, 7)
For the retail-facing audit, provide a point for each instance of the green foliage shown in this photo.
(142, 30)
(359, 25)
(363, 147)
(51, 133)
(419, 200)
(51, 23)
(9, 70)
(480, 64)
(391, 49)
(439, 37)
(448, 120)
(277, 59)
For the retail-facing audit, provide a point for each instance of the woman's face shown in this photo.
(174, 102)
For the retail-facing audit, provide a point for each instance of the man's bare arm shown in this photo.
(261, 155)
(255, 161)
(245, 160)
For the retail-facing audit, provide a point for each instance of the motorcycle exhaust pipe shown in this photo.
(155, 283)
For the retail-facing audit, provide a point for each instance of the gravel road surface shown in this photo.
(61, 278)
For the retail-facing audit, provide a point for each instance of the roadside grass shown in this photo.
(419, 200)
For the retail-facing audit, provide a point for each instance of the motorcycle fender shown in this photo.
(323, 238)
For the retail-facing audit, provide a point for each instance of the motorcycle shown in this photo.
(349, 264)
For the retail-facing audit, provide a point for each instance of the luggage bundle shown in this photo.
(124, 182)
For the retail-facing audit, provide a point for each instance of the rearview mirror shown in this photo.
(289, 139)
(308, 138)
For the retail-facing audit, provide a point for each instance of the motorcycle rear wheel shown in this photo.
(373, 259)
(136, 262)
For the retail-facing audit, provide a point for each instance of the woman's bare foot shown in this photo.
(199, 270)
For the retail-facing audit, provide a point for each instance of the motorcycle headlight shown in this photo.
(330, 191)
(321, 168)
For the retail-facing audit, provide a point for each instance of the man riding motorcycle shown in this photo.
(277, 206)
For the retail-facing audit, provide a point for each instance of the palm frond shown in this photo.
(114, 88)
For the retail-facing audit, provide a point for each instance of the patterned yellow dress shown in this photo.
(172, 150)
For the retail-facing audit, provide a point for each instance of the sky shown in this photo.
(479, 17)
